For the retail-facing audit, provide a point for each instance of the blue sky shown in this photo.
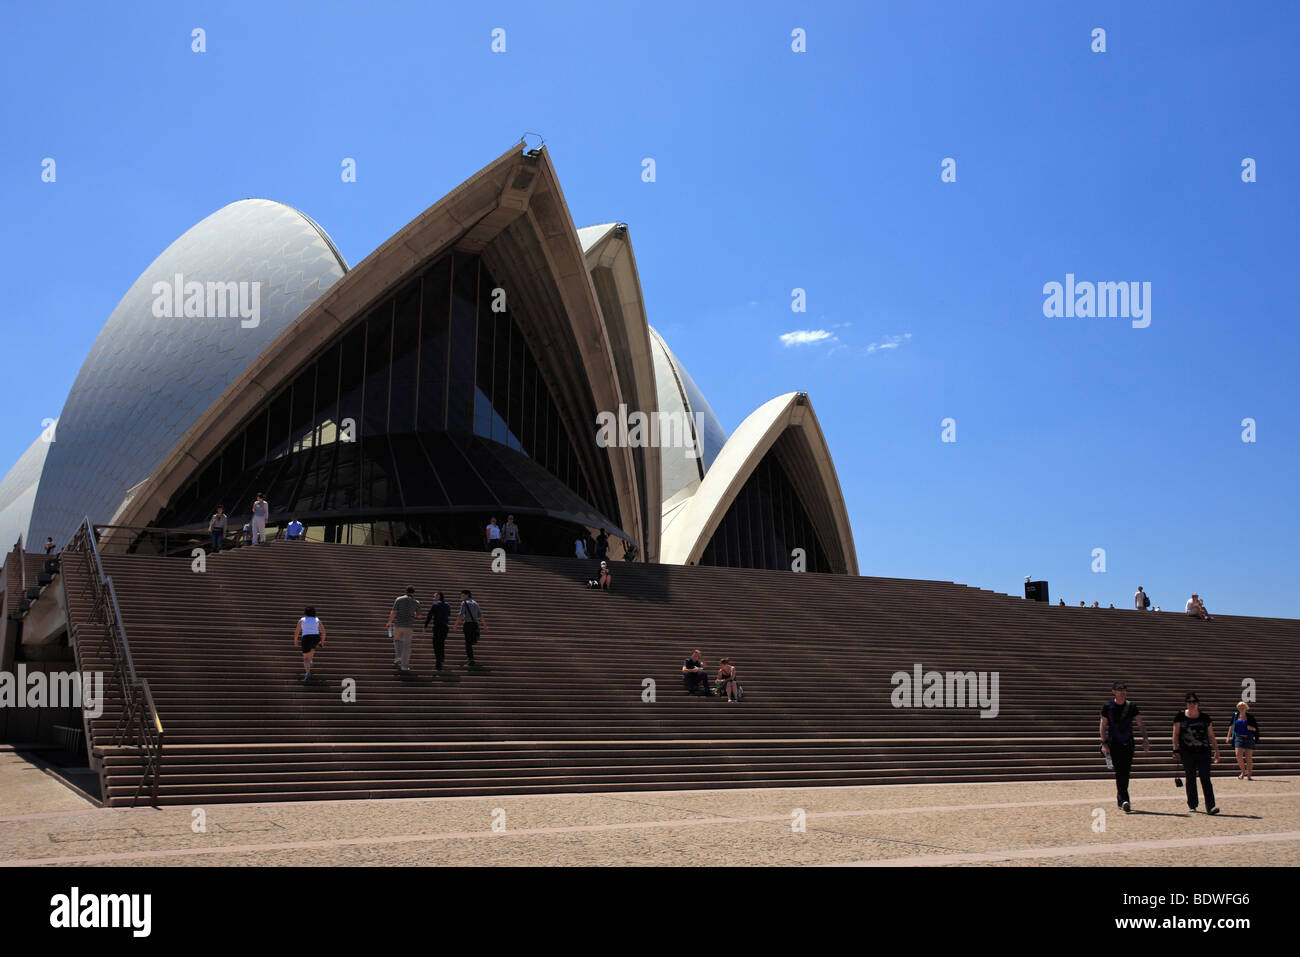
(775, 170)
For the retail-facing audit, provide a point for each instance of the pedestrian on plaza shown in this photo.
(1118, 719)
(1194, 742)
(1243, 735)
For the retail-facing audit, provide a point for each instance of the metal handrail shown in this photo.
(121, 629)
(149, 740)
(136, 534)
(139, 712)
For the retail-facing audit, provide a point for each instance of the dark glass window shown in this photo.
(352, 370)
(406, 345)
(377, 479)
(529, 434)
(232, 458)
(429, 403)
(485, 376)
(420, 484)
(463, 484)
(311, 492)
(255, 447)
(282, 491)
(302, 426)
(500, 380)
(210, 479)
(515, 400)
(434, 330)
(327, 397)
(379, 342)
(277, 434)
(753, 533)
(464, 335)
(344, 492)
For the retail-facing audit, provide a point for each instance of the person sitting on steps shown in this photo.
(1196, 608)
(695, 675)
(727, 683)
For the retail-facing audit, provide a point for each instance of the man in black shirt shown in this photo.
(440, 615)
(695, 674)
(1194, 739)
(1118, 719)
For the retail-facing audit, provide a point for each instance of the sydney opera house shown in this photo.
(460, 371)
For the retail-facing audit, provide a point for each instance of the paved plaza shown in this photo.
(998, 824)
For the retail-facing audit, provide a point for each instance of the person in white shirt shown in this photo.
(308, 636)
(1196, 608)
(261, 512)
(1140, 600)
(492, 534)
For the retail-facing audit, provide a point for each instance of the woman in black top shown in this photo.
(1194, 739)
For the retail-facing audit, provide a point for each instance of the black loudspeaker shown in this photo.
(1036, 591)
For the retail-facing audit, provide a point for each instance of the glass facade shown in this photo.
(765, 523)
(428, 414)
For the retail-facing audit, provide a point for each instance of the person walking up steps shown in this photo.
(1118, 718)
(470, 620)
(1193, 741)
(308, 636)
(402, 618)
(440, 615)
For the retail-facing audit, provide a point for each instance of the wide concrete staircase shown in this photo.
(561, 701)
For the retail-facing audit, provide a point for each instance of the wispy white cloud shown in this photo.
(803, 337)
(889, 342)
